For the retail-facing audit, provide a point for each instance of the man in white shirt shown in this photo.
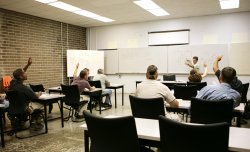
(104, 83)
(193, 64)
(151, 88)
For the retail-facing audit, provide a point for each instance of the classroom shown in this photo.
(70, 63)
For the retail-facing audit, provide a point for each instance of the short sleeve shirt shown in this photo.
(154, 89)
(103, 78)
(197, 68)
(16, 85)
(81, 83)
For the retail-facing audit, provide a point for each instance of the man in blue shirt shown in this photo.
(223, 90)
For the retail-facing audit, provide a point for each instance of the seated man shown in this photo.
(195, 76)
(82, 83)
(223, 90)
(16, 84)
(151, 88)
(104, 83)
(236, 84)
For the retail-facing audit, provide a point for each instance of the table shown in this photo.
(117, 86)
(184, 106)
(46, 99)
(148, 129)
(169, 84)
(55, 89)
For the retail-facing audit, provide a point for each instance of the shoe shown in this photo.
(106, 105)
(79, 116)
(36, 126)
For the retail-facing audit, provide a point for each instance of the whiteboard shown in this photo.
(90, 59)
(207, 54)
(136, 60)
(168, 38)
(239, 56)
(111, 61)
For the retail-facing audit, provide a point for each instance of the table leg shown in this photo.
(238, 121)
(61, 110)
(2, 133)
(45, 118)
(86, 140)
(122, 95)
(115, 98)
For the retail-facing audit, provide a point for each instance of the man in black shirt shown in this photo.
(16, 84)
(236, 83)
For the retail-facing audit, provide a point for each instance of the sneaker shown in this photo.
(79, 116)
(36, 126)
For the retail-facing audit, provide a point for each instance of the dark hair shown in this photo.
(100, 71)
(18, 73)
(151, 71)
(195, 57)
(86, 69)
(83, 73)
(192, 72)
(228, 74)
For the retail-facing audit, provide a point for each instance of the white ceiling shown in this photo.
(122, 11)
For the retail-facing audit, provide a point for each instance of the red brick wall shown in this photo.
(23, 36)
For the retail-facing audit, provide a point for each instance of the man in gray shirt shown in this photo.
(223, 90)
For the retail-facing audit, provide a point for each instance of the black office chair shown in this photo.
(244, 92)
(180, 137)
(209, 111)
(72, 99)
(146, 108)
(112, 134)
(169, 77)
(97, 84)
(185, 92)
(199, 85)
(17, 111)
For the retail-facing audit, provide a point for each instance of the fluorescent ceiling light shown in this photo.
(45, 1)
(64, 6)
(229, 4)
(158, 12)
(86, 13)
(103, 19)
(75, 10)
(146, 4)
(151, 7)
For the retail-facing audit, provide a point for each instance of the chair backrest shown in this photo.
(244, 92)
(147, 108)
(96, 83)
(181, 137)
(37, 88)
(18, 103)
(6, 82)
(199, 85)
(72, 94)
(169, 77)
(210, 111)
(112, 134)
(185, 92)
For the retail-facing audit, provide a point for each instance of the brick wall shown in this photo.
(46, 41)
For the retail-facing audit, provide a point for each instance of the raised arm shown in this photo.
(205, 72)
(216, 63)
(28, 64)
(189, 63)
(76, 69)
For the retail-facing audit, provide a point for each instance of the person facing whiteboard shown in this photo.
(194, 76)
(151, 88)
(236, 84)
(193, 64)
(104, 83)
